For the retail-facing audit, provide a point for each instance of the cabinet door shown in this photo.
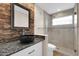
(35, 50)
(38, 49)
(30, 51)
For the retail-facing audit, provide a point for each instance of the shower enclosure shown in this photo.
(63, 31)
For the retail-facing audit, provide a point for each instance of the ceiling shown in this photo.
(51, 8)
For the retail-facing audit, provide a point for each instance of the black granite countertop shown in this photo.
(9, 48)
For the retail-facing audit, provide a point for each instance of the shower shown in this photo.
(63, 31)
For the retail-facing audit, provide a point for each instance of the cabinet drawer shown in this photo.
(35, 50)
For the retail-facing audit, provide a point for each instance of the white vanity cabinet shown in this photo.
(35, 50)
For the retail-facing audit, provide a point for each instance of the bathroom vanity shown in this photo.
(35, 50)
(16, 48)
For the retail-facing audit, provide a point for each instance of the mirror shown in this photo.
(20, 15)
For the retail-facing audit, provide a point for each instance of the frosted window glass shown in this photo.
(62, 21)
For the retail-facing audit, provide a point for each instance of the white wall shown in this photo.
(41, 25)
(42, 21)
(39, 21)
(47, 18)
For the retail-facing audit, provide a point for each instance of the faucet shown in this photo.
(23, 32)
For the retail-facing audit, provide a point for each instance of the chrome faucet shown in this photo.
(23, 32)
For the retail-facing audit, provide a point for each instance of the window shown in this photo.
(75, 19)
(62, 21)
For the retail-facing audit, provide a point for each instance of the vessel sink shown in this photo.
(26, 38)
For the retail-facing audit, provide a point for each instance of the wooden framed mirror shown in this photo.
(20, 16)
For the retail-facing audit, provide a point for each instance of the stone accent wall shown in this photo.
(6, 33)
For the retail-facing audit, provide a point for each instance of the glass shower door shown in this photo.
(63, 34)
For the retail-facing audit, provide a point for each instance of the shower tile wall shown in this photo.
(63, 39)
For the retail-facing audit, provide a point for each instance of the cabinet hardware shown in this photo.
(31, 52)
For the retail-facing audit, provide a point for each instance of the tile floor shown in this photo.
(56, 53)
